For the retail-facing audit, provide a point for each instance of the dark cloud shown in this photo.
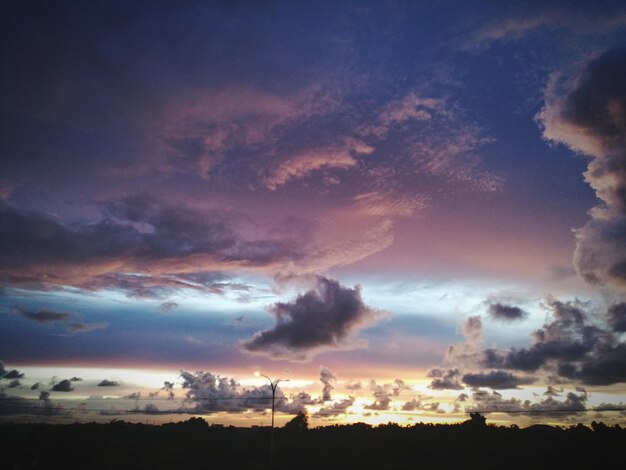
(11, 405)
(574, 404)
(328, 380)
(167, 307)
(76, 379)
(505, 312)
(35, 386)
(617, 317)
(445, 379)
(354, 386)
(11, 374)
(44, 316)
(108, 383)
(569, 346)
(323, 317)
(590, 117)
(496, 379)
(15, 383)
(133, 236)
(63, 386)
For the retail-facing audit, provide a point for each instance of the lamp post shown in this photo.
(274, 386)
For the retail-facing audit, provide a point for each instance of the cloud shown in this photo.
(12, 405)
(496, 379)
(445, 379)
(212, 393)
(617, 317)
(588, 114)
(322, 318)
(44, 316)
(411, 107)
(134, 235)
(464, 353)
(167, 307)
(335, 409)
(108, 383)
(11, 374)
(340, 156)
(574, 403)
(569, 346)
(63, 386)
(386, 204)
(328, 379)
(505, 312)
(80, 327)
(520, 19)
(383, 394)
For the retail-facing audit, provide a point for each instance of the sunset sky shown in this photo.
(411, 210)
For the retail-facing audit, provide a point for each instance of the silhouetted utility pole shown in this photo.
(274, 386)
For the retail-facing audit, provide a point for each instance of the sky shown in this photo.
(409, 210)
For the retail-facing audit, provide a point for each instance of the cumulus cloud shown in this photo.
(12, 405)
(335, 409)
(212, 393)
(108, 383)
(384, 393)
(588, 114)
(574, 404)
(496, 379)
(617, 317)
(328, 380)
(464, 353)
(324, 317)
(64, 385)
(11, 374)
(445, 379)
(569, 346)
(506, 312)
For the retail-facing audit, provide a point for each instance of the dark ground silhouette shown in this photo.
(194, 444)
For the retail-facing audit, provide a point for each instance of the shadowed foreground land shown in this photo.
(195, 444)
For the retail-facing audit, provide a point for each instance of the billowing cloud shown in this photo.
(321, 318)
(496, 379)
(335, 409)
(570, 346)
(574, 403)
(212, 393)
(463, 354)
(328, 380)
(500, 311)
(11, 374)
(589, 116)
(108, 383)
(617, 317)
(384, 393)
(445, 379)
(64, 385)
